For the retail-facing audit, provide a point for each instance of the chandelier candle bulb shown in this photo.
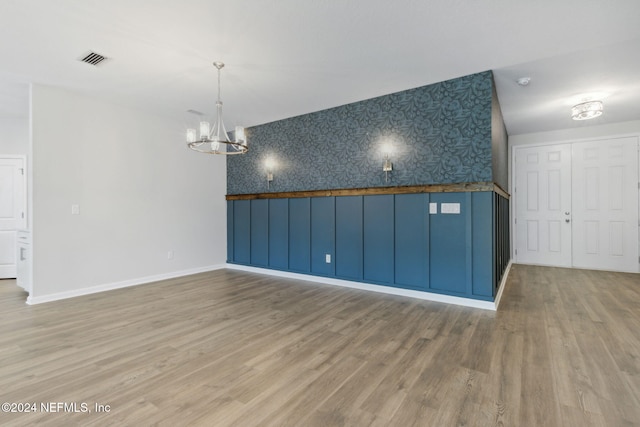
(191, 135)
(240, 134)
(204, 130)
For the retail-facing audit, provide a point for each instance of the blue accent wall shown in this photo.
(445, 133)
(390, 240)
(440, 133)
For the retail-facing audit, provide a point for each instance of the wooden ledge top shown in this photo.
(431, 188)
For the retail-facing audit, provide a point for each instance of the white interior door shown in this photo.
(577, 205)
(12, 212)
(543, 205)
(605, 200)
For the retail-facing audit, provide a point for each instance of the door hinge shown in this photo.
(22, 215)
(516, 252)
(22, 173)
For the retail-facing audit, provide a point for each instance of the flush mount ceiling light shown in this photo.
(216, 140)
(586, 110)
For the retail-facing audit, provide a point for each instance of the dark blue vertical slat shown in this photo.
(230, 230)
(501, 249)
(469, 245)
(447, 245)
(241, 231)
(300, 235)
(322, 235)
(411, 249)
(279, 233)
(260, 232)
(378, 239)
(348, 259)
(497, 231)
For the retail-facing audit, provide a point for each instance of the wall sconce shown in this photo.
(269, 164)
(387, 166)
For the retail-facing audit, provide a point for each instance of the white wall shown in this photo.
(14, 135)
(141, 193)
(575, 134)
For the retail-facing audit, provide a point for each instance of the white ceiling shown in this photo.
(291, 57)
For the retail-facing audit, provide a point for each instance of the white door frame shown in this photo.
(23, 158)
(512, 176)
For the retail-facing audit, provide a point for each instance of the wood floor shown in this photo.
(234, 348)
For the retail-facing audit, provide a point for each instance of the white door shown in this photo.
(576, 205)
(543, 205)
(12, 212)
(605, 200)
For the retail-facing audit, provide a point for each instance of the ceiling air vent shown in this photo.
(93, 58)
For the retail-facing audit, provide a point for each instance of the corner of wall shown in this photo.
(499, 142)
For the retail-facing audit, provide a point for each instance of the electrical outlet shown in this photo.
(327, 258)
(170, 255)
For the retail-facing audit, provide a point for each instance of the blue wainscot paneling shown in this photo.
(259, 233)
(450, 244)
(322, 235)
(230, 217)
(279, 233)
(241, 231)
(300, 235)
(378, 239)
(437, 242)
(348, 260)
(482, 230)
(411, 241)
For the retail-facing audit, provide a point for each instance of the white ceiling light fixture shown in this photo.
(586, 110)
(216, 140)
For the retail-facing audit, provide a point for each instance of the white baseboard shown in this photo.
(503, 282)
(118, 285)
(428, 296)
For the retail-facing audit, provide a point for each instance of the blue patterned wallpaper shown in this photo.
(436, 134)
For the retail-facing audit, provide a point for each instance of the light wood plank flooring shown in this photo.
(240, 349)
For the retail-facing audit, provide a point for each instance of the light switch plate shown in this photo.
(450, 208)
(75, 209)
(433, 208)
(327, 258)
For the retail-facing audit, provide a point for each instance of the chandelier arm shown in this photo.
(205, 148)
(219, 84)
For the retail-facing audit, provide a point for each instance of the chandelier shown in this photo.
(586, 110)
(215, 140)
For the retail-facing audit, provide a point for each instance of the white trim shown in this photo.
(428, 296)
(117, 285)
(503, 283)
